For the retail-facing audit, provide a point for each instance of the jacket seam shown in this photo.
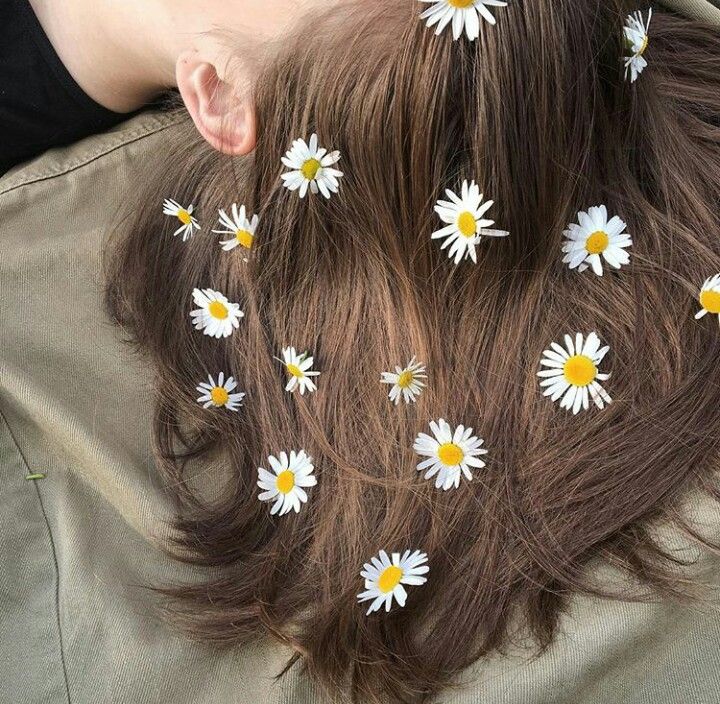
(54, 555)
(124, 140)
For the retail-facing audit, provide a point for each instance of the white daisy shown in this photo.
(464, 14)
(311, 167)
(298, 367)
(595, 239)
(449, 453)
(185, 215)
(464, 215)
(637, 40)
(573, 372)
(407, 383)
(287, 482)
(241, 229)
(218, 394)
(710, 297)
(216, 317)
(384, 577)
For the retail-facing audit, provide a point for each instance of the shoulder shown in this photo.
(704, 10)
(125, 143)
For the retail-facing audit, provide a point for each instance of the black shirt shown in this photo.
(41, 105)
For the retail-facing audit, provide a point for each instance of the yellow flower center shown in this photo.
(580, 370)
(389, 579)
(310, 168)
(295, 371)
(285, 482)
(219, 396)
(597, 242)
(462, 4)
(218, 310)
(710, 301)
(184, 217)
(450, 454)
(245, 238)
(646, 41)
(405, 379)
(466, 224)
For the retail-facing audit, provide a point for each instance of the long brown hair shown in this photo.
(537, 111)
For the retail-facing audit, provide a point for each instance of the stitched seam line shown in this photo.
(54, 555)
(128, 138)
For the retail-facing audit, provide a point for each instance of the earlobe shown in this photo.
(224, 119)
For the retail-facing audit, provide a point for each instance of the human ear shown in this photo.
(224, 118)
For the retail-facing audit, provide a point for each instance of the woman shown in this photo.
(600, 150)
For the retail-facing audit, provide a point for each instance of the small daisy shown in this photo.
(407, 383)
(710, 297)
(241, 229)
(311, 168)
(637, 40)
(285, 483)
(218, 394)
(384, 577)
(298, 367)
(573, 373)
(184, 215)
(464, 14)
(466, 224)
(449, 453)
(216, 317)
(595, 239)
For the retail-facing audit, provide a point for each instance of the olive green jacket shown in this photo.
(706, 10)
(82, 516)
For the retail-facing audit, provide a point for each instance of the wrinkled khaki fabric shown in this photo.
(706, 10)
(77, 546)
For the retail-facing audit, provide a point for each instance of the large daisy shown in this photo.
(464, 14)
(385, 577)
(218, 394)
(572, 372)
(239, 227)
(287, 482)
(710, 297)
(594, 239)
(311, 167)
(406, 383)
(450, 453)
(216, 316)
(637, 40)
(465, 222)
(188, 224)
(298, 366)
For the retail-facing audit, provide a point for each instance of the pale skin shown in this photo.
(124, 53)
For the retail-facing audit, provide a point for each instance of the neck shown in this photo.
(120, 53)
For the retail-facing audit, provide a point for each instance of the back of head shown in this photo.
(538, 113)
